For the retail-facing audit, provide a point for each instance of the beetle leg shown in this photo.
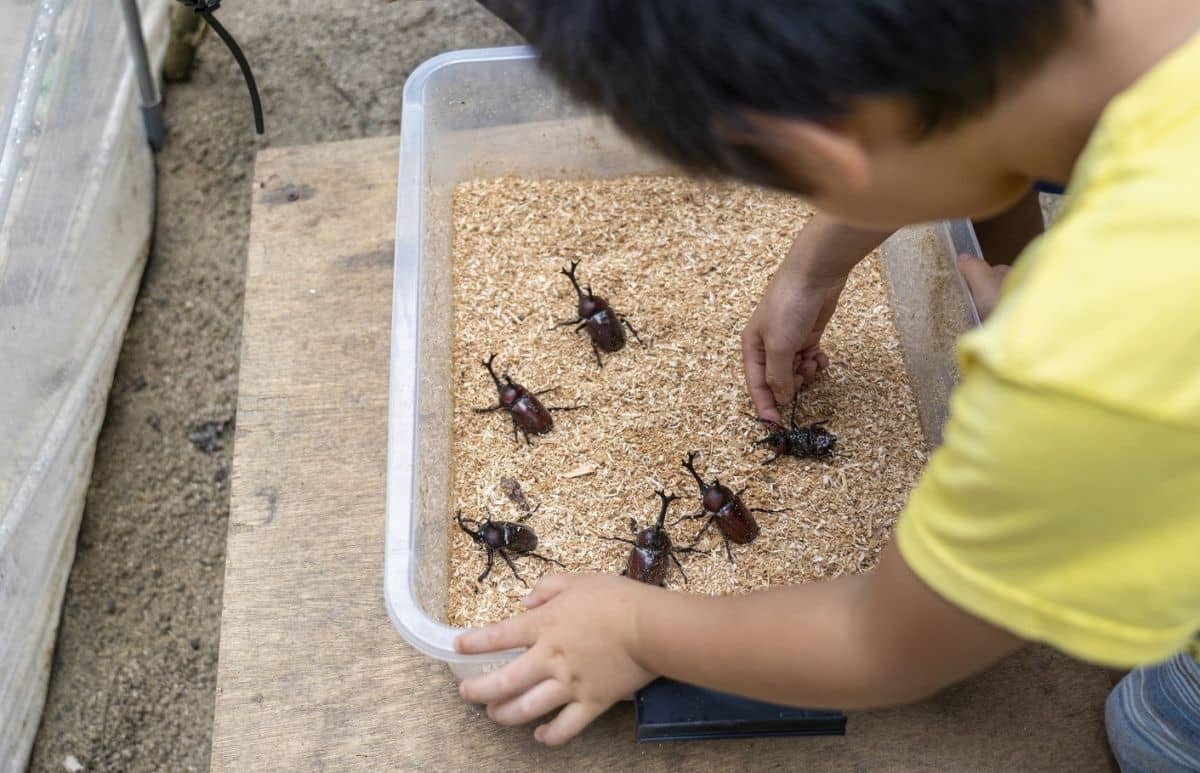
(620, 539)
(728, 552)
(566, 322)
(565, 407)
(680, 566)
(632, 329)
(546, 391)
(761, 510)
(596, 352)
(490, 560)
(700, 533)
(528, 442)
(698, 514)
(494, 408)
(511, 565)
(547, 560)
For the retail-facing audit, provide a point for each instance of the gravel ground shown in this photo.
(135, 665)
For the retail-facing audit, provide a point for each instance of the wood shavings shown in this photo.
(512, 489)
(686, 262)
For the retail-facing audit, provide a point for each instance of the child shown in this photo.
(1064, 505)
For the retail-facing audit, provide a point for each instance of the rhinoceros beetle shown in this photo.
(811, 442)
(724, 507)
(603, 323)
(503, 537)
(652, 549)
(528, 414)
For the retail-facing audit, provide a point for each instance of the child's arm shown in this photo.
(875, 639)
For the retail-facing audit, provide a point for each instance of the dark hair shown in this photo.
(674, 72)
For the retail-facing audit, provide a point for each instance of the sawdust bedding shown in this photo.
(686, 261)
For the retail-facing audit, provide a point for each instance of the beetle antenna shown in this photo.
(488, 364)
(687, 465)
(667, 499)
(569, 273)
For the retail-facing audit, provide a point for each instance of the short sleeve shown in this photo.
(1062, 521)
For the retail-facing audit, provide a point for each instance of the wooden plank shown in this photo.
(312, 674)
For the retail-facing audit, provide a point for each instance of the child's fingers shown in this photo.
(508, 682)
(519, 631)
(541, 699)
(983, 280)
(780, 374)
(755, 362)
(545, 589)
(817, 355)
(569, 723)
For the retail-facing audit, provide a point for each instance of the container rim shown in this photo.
(427, 635)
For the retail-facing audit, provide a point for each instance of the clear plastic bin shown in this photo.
(489, 113)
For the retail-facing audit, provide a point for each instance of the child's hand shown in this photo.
(984, 280)
(781, 345)
(581, 632)
(781, 342)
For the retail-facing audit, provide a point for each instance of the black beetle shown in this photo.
(722, 506)
(652, 549)
(527, 412)
(501, 537)
(603, 323)
(811, 442)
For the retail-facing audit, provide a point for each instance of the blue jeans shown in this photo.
(1153, 718)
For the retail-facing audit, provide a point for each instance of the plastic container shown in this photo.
(488, 113)
(76, 211)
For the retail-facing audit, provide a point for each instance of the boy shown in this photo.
(1064, 505)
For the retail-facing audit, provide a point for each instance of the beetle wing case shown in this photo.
(667, 710)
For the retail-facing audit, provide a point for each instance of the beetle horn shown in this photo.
(569, 273)
(488, 364)
(667, 499)
(691, 467)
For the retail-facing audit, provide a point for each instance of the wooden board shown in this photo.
(312, 674)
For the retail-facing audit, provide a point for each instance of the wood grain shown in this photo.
(312, 674)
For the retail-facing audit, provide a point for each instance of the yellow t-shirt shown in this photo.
(1064, 505)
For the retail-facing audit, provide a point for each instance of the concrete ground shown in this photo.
(135, 665)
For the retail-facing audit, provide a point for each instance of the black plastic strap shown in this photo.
(670, 711)
(206, 8)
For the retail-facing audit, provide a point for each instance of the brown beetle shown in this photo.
(722, 506)
(527, 412)
(502, 537)
(811, 442)
(652, 549)
(603, 323)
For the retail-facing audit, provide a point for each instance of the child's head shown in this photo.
(870, 107)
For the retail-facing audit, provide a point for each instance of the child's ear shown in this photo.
(823, 156)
